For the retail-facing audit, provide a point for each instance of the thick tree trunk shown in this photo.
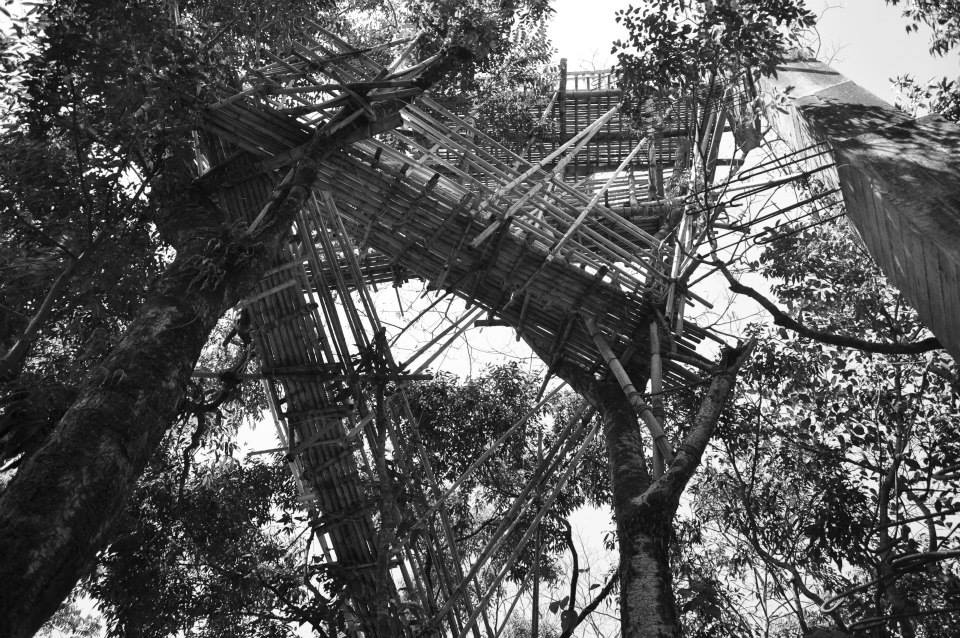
(647, 606)
(59, 509)
(644, 508)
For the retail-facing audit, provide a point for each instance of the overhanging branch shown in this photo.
(784, 320)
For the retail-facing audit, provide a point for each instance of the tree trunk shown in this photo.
(647, 606)
(644, 508)
(60, 508)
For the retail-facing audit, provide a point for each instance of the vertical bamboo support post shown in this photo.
(656, 391)
(654, 169)
(674, 298)
(562, 90)
(636, 399)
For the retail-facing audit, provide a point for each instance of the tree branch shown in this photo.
(784, 320)
(12, 361)
(586, 611)
(675, 479)
(574, 564)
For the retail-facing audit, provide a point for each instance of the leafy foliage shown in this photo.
(505, 35)
(940, 96)
(71, 620)
(458, 421)
(96, 166)
(503, 89)
(835, 467)
(225, 557)
(942, 17)
(673, 47)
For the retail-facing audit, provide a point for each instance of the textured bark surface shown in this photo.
(647, 605)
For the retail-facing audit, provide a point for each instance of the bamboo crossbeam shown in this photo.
(633, 395)
(597, 197)
(405, 53)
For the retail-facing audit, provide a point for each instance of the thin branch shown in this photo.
(781, 318)
(12, 361)
(47, 239)
(586, 611)
(574, 564)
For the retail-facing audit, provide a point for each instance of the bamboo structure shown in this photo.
(581, 266)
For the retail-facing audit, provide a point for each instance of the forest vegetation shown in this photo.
(815, 492)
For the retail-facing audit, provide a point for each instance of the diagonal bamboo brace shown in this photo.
(635, 398)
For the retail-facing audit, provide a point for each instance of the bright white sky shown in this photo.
(863, 39)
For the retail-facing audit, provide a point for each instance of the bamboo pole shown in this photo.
(375, 322)
(511, 518)
(635, 398)
(496, 444)
(597, 197)
(538, 544)
(572, 466)
(656, 392)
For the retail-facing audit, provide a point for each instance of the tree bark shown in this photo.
(60, 508)
(644, 527)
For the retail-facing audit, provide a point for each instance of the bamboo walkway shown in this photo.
(579, 264)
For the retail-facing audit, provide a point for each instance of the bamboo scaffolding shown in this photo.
(572, 465)
(511, 518)
(453, 206)
(375, 324)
